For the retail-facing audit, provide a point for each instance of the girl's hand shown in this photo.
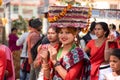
(53, 53)
(111, 38)
(43, 52)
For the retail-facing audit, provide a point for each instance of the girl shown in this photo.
(53, 39)
(115, 65)
(68, 62)
(97, 49)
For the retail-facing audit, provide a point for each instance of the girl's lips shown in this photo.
(63, 39)
(97, 34)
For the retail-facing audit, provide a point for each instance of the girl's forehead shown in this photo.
(98, 25)
(113, 57)
(64, 29)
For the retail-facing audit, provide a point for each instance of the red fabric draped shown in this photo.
(118, 41)
(96, 60)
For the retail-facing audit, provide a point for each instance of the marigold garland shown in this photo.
(85, 30)
(62, 14)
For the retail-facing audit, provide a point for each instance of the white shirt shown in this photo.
(110, 76)
(22, 41)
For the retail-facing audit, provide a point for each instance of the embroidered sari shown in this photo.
(76, 63)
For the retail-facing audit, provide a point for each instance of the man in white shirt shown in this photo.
(22, 41)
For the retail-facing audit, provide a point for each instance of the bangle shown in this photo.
(57, 64)
(45, 65)
(45, 69)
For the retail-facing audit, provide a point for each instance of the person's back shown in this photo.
(23, 56)
(32, 39)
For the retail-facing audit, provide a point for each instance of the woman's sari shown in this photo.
(96, 59)
(76, 57)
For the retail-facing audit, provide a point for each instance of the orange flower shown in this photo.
(62, 14)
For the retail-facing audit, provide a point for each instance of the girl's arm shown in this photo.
(109, 45)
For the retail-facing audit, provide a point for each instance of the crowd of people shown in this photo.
(61, 55)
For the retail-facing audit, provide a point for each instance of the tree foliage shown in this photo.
(20, 24)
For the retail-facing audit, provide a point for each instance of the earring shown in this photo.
(75, 39)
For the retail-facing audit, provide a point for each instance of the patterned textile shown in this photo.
(72, 58)
(16, 60)
(69, 15)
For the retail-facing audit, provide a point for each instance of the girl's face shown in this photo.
(14, 32)
(114, 63)
(99, 32)
(52, 35)
(66, 37)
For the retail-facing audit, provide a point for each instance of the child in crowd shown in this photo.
(115, 65)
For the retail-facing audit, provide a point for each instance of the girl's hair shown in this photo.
(105, 27)
(54, 28)
(116, 52)
(72, 29)
(13, 29)
(29, 22)
(92, 26)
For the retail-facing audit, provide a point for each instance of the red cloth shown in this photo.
(9, 68)
(97, 57)
(118, 41)
(2, 63)
(73, 71)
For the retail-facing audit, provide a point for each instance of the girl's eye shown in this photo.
(61, 32)
(67, 32)
(113, 61)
